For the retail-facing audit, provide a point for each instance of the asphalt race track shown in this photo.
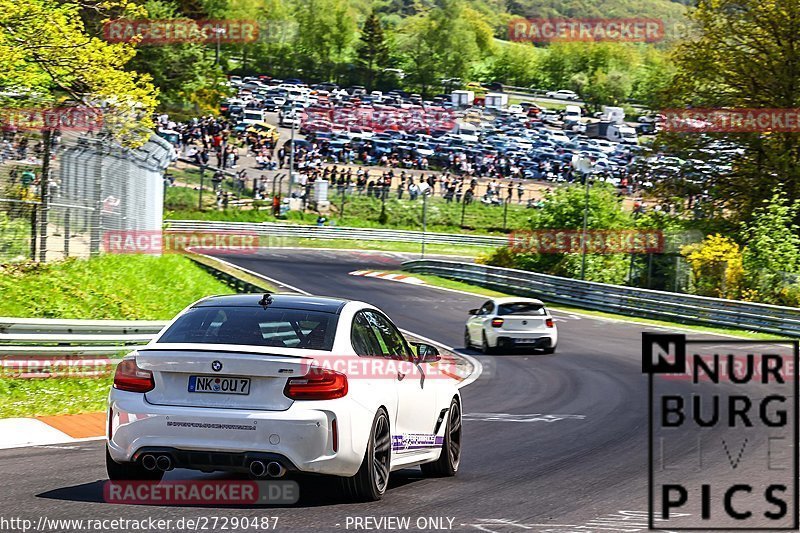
(575, 452)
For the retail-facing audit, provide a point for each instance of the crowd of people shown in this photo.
(343, 180)
(349, 167)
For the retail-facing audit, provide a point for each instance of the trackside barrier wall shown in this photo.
(632, 301)
(270, 229)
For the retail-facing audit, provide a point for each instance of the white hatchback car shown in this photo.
(509, 323)
(265, 384)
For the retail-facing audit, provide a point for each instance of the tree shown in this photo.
(45, 50)
(607, 88)
(563, 210)
(744, 55)
(771, 258)
(275, 50)
(373, 50)
(180, 71)
(326, 29)
(446, 41)
(716, 265)
(515, 63)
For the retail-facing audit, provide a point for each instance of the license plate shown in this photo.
(525, 341)
(219, 385)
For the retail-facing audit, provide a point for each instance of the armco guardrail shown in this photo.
(619, 299)
(23, 340)
(271, 229)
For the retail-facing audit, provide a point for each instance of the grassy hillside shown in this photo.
(108, 287)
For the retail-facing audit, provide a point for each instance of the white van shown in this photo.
(572, 113)
(466, 131)
(252, 116)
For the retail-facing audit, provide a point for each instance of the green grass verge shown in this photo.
(35, 397)
(481, 291)
(364, 212)
(383, 246)
(128, 287)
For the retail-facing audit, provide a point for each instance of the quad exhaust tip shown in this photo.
(258, 469)
(149, 462)
(161, 462)
(275, 469)
(272, 469)
(164, 463)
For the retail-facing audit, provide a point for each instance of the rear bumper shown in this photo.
(524, 342)
(301, 436)
(209, 460)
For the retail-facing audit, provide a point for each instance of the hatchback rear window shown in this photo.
(254, 326)
(521, 308)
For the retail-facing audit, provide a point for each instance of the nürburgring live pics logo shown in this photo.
(723, 435)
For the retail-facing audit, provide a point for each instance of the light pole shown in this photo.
(218, 31)
(585, 178)
(425, 193)
(291, 161)
(202, 175)
(584, 166)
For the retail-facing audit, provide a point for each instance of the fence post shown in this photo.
(34, 228)
(97, 201)
(67, 231)
(44, 190)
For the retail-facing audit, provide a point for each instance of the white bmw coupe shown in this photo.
(268, 384)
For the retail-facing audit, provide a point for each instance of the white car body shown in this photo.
(323, 436)
(288, 119)
(562, 94)
(605, 145)
(252, 116)
(558, 137)
(511, 323)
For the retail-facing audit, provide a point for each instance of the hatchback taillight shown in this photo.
(318, 384)
(129, 377)
(497, 322)
(548, 322)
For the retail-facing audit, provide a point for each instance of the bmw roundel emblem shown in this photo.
(216, 366)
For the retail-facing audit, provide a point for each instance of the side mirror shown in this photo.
(473, 311)
(426, 353)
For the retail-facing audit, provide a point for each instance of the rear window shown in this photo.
(521, 308)
(254, 326)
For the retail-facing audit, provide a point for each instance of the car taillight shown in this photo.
(318, 384)
(497, 322)
(129, 377)
(548, 322)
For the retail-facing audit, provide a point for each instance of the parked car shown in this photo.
(562, 94)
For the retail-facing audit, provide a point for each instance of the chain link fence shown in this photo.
(94, 185)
